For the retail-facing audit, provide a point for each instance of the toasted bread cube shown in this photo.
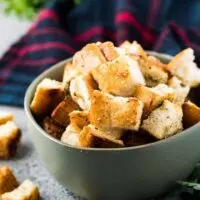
(89, 57)
(180, 89)
(119, 77)
(70, 72)
(79, 118)
(191, 113)
(48, 94)
(109, 112)
(81, 89)
(52, 128)
(9, 139)
(5, 117)
(61, 113)
(71, 135)
(153, 70)
(8, 182)
(184, 67)
(92, 137)
(133, 48)
(109, 51)
(164, 121)
(153, 97)
(26, 191)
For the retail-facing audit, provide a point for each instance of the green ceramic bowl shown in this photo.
(124, 173)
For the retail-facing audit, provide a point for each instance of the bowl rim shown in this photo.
(30, 117)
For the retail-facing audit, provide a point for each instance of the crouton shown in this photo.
(8, 181)
(131, 138)
(71, 135)
(48, 94)
(153, 70)
(180, 89)
(52, 128)
(119, 77)
(89, 57)
(5, 117)
(92, 137)
(26, 191)
(153, 97)
(133, 48)
(109, 51)
(61, 113)
(191, 114)
(184, 67)
(9, 139)
(70, 72)
(108, 112)
(79, 118)
(81, 89)
(164, 121)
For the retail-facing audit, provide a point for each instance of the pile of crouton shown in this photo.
(118, 96)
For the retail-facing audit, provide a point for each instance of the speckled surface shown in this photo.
(27, 165)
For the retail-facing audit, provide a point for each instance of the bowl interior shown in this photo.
(56, 72)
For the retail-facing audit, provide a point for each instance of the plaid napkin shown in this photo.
(61, 29)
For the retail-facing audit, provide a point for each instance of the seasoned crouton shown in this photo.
(119, 77)
(8, 181)
(70, 72)
(61, 113)
(133, 48)
(191, 114)
(164, 121)
(109, 51)
(89, 57)
(52, 128)
(81, 89)
(184, 67)
(48, 94)
(153, 97)
(79, 118)
(92, 137)
(5, 117)
(153, 71)
(108, 112)
(71, 135)
(180, 89)
(26, 191)
(9, 139)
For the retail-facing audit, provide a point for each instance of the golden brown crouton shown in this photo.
(79, 118)
(81, 89)
(153, 97)
(180, 89)
(92, 137)
(48, 94)
(89, 57)
(71, 135)
(8, 181)
(26, 191)
(61, 113)
(70, 72)
(52, 128)
(9, 139)
(153, 71)
(109, 112)
(184, 67)
(109, 51)
(191, 114)
(119, 77)
(5, 117)
(164, 121)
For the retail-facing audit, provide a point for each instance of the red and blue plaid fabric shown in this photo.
(61, 29)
